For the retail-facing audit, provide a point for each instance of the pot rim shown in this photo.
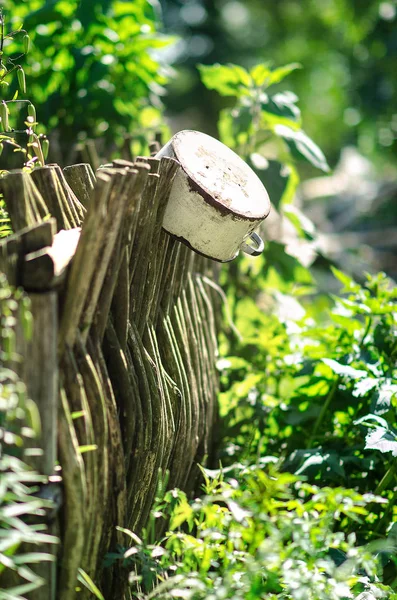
(206, 194)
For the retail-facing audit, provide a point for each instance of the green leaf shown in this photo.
(315, 462)
(301, 146)
(381, 401)
(321, 459)
(348, 282)
(86, 580)
(227, 80)
(183, 512)
(130, 533)
(281, 109)
(88, 448)
(26, 43)
(344, 370)
(77, 414)
(45, 145)
(292, 184)
(279, 74)
(232, 363)
(33, 557)
(33, 416)
(260, 73)
(302, 224)
(21, 79)
(362, 387)
(239, 514)
(366, 421)
(382, 439)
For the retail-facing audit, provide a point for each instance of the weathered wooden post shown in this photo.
(42, 384)
(38, 271)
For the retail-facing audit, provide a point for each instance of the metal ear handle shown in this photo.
(260, 244)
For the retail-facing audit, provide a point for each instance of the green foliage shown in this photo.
(91, 66)
(275, 522)
(263, 125)
(22, 512)
(259, 534)
(289, 392)
(86, 580)
(322, 396)
(307, 407)
(346, 90)
(32, 146)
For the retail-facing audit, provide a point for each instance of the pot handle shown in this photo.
(260, 244)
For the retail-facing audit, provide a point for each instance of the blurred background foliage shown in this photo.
(98, 67)
(348, 50)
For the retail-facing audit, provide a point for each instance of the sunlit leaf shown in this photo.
(382, 439)
(280, 73)
(260, 73)
(363, 386)
(86, 580)
(344, 370)
(304, 227)
(348, 282)
(87, 448)
(227, 80)
(382, 398)
(302, 147)
(281, 109)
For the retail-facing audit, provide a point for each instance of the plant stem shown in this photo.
(386, 515)
(1, 32)
(386, 479)
(324, 409)
(366, 332)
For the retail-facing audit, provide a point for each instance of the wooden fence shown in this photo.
(122, 359)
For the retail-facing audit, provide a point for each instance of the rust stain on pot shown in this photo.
(220, 204)
(208, 198)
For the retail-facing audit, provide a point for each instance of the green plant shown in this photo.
(5, 223)
(320, 395)
(92, 68)
(263, 125)
(34, 150)
(22, 512)
(346, 49)
(260, 534)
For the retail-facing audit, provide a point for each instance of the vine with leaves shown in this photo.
(34, 149)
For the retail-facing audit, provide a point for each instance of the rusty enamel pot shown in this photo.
(216, 201)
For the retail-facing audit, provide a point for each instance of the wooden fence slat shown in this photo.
(81, 180)
(41, 378)
(25, 204)
(84, 264)
(73, 539)
(50, 187)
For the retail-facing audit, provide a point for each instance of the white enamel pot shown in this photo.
(216, 200)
